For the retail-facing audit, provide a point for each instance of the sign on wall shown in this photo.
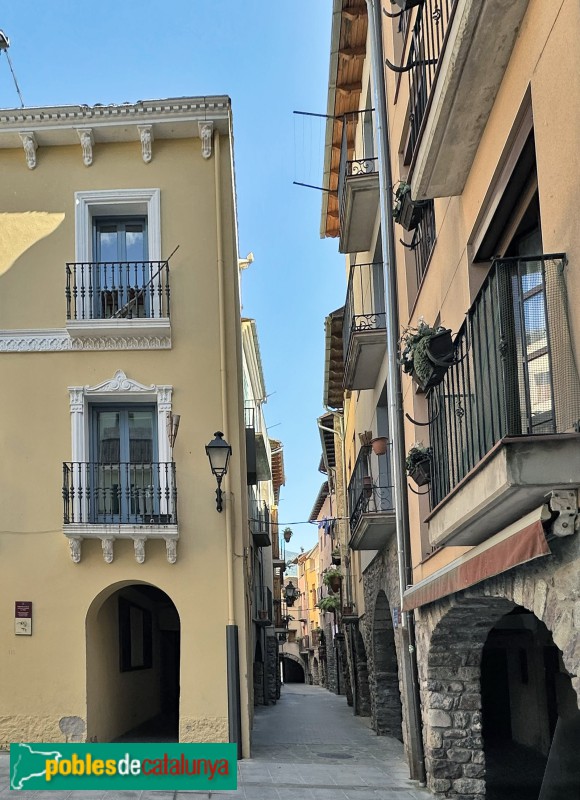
(23, 618)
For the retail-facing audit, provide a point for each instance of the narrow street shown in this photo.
(309, 746)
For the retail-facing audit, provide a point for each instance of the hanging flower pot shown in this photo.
(333, 578)
(335, 557)
(379, 445)
(426, 354)
(418, 464)
(287, 533)
(407, 212)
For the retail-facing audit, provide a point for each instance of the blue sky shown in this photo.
(271, 57)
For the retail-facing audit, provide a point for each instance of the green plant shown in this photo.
(330, 603)
(400, 192)
(417, 453)
(413, 346)
(330, 575)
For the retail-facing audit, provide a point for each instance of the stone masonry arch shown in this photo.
(386, 711)
(451, 635)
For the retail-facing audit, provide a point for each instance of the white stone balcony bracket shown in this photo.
(109, 534)
(87, 141)
(206, 135)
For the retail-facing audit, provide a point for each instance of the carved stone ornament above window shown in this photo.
(87, 142)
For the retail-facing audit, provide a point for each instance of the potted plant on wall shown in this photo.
(333, 577)
(407, 212)
(418, 463)
(426, 353)
(329, 603)
(335, 557)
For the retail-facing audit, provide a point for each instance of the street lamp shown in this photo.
(219, 452)
(290, 594)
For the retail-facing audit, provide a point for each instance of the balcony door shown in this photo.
(122, 271)
(124, 476)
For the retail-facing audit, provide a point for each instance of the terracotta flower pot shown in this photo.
(334, 583)
(379, 445)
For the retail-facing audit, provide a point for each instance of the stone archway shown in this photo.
(294, 671)
(476, 695)
(361, 676)
(315, 672)
(386, 710)
(133, 664)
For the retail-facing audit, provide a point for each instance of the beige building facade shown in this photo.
(452, 194)
(109, 529)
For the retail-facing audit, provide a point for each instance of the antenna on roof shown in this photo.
(4, 45)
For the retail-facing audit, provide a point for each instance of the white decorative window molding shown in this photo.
(146, 136)
(87, 141)
(118, 389)
(30, 146)
(116, 203)
(206, 135)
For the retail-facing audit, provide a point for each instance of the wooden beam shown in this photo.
(354, 13)
(347, 88)
(348, 53)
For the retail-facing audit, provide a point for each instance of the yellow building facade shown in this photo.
(110, 538)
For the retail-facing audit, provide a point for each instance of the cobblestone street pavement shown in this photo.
(307, 747)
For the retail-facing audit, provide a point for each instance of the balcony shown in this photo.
(260, 526)
(358, 187)
(304, 644)
(364, 326)
(263, 605)
(130, 298)
(371, 501)
(453, 86)
(135, 501)
(505, 420)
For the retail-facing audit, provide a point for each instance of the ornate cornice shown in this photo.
(58, 339)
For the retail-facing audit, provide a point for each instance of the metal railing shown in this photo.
(119, 493)
(514, 372)
(424, 240)
(364, 307)
(370, 489)
(428, 37)
(117, 290)
(261, 519)
(249, 417)
(263, 603)
(351, 169)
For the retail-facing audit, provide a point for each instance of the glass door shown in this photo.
(125, 477)
(122, 272)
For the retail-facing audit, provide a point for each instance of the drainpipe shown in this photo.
(232, 639)
(395, 396)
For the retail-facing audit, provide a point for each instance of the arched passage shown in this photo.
(293, 669)
(362, 676)
(133, 664)
(386, 697)
(315, 673)
(498, 692)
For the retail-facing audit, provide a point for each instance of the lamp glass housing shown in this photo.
(219, 452)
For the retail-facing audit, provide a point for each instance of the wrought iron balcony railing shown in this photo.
(120, 493)
(117, 290)
(428, 37)
(263, 604)
(364, 308)
(370, 489)
(514, 371)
